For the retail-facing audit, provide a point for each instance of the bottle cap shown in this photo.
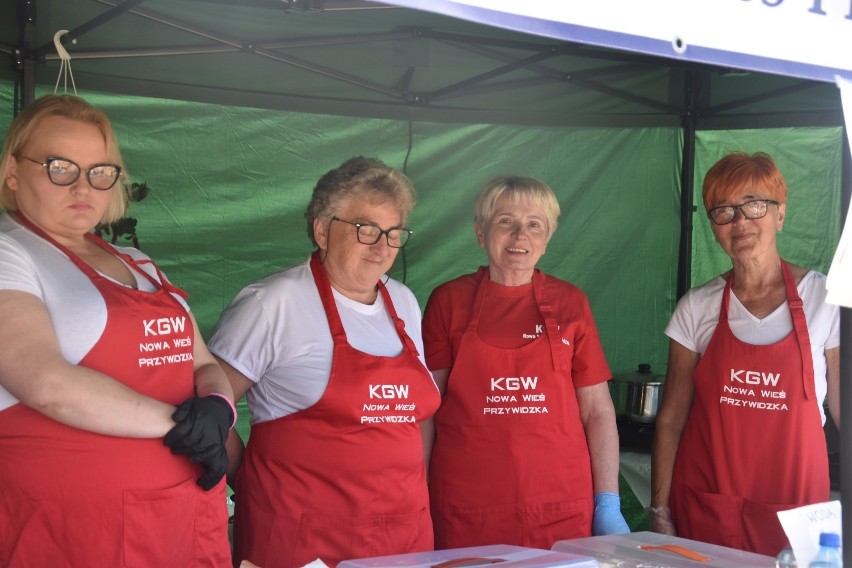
(829, 539)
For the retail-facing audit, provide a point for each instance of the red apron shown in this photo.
(753, 444)
(344, 478)
(71, 498)
(510, 417)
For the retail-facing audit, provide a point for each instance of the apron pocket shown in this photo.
(159, 526)
(401, 534)
(478, 526)
(546, 523)
(762, 531)
(710, 517)
(334, 539)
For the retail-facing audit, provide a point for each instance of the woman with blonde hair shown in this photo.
(97, 349)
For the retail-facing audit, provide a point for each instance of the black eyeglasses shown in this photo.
(63, 171)
(751, 210)
(369, 234)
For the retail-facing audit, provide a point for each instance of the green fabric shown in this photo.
(228, 188)
(809, 159)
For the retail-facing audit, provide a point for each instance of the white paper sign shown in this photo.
(839, 281)
(803, 525)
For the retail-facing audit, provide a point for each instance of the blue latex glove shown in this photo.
(608, 518)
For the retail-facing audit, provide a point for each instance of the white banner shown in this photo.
(805, 38)
(839, 281)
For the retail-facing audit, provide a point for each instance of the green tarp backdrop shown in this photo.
(229, 185)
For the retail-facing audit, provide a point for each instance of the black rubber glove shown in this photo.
(200, 433)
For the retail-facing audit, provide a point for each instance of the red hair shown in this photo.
(739, 171)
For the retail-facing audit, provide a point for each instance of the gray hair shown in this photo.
(361, 177)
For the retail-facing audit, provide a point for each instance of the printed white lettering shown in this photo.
(399, 407)
(388, 391)
(164, 326)
(533, 397)
(759, 405)
(513, 383)
(182, 342)
(738, 390)
(755, 377)
(165, 360)
(375, 407)
(153, 346)
(387, 420)
(500, 398)
(515, 410)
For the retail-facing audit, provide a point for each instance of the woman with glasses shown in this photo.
(329, 354)
(752, 354)
(525, 447)
(97, 349)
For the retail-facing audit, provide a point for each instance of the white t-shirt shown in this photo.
(28, 263)
(276, 334)
(697, 313)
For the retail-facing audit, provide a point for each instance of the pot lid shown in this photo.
(642, 374)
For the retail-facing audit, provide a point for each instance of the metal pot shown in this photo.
(636, 395)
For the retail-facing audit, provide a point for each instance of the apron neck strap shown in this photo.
(800, 325)
(132, 263)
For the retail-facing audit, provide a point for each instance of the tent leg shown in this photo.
(846, 375)
(687, 178)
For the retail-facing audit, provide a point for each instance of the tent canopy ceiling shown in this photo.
(357, 58)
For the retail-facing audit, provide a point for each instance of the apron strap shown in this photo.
(551, 328)
(338, 333)
(398, 323)
(132, 263)
(800, 325)
(327, 297)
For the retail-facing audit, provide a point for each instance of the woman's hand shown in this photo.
(661, 520)
(200, 432)
(607, 518)
(678, 393)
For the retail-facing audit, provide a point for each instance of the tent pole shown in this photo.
(26, 12)
(687, 177)
(846, 373)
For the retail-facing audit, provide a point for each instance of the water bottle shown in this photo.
(829, 552)
(786, 558)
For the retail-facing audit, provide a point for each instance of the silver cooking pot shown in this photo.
(636, 395)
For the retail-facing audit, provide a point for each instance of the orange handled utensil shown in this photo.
(677, 549)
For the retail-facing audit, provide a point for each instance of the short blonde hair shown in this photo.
(526, 190)
(72, 108)
(738, 171)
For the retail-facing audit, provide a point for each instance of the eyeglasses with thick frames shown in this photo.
(754, 209)
(369, 234)
(62, 171)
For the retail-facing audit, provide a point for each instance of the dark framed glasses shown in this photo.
(62, 171)
(754, 209)
(369, 234)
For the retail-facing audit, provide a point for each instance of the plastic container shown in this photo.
(508, 556)
(829, 552)
(786, 558)
(649, 549)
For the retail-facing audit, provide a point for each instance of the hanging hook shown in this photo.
(64, 64)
